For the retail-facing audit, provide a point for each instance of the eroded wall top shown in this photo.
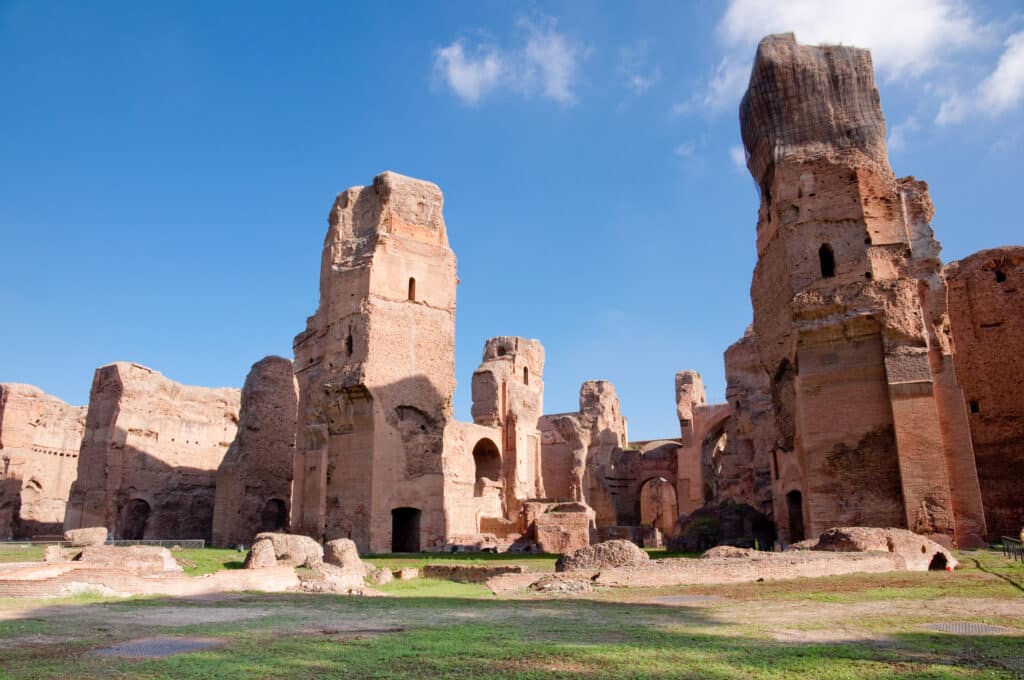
(807, 101)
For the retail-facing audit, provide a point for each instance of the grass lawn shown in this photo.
(861, 626)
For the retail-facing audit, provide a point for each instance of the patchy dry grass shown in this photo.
(864, 626)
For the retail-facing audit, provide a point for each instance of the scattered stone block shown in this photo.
(602, 556)
(294, 549)
(79, 538)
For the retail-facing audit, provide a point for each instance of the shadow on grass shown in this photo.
(318, 636)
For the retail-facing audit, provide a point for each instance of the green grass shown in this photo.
(21, 553)
(435, 628)
(197, 562)
(532, 561)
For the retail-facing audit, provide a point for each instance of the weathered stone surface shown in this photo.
(867, 425)
(54, 553)
(139, 559)
(986, 318)
(558, 584)
(577, 449)
(469, 573)
(918, 552)
(379, 458)
(40, 436)
(763, 566)
(261, 555)
(407, 573)
(602, 556)
(721, 551)
(381, 576)
(149, 458)
(87, 536)
(561, 531)
(330, 578)
(254, 478)
(342, 552)
(293, 549)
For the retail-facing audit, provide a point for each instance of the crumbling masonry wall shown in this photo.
(868, 422)
(149, 455)
(986, 313)
(255, 477)
(39, 440)
(375, 368)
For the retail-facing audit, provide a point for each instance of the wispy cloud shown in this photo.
(685, 150)
(738, 157)
(1001, 91)
(544, 63)
(906, 38)
(898, 133)
(635, 70)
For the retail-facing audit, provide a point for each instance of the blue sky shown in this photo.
(166, 170)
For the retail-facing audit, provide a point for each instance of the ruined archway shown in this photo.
(134, 518)
(711, 449)
(274, 516)
(795, 510)
(486, 465)
(405, 530)
(659, 506)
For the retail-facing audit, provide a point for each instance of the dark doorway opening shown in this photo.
(274, 516)
(938, 562)
(828, 261)
(405, 530)
(134, 518)
(795, 510)
(412, 289)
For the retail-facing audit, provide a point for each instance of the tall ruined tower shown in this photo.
(375, 368)
(867, 423)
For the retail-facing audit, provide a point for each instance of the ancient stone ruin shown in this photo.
(873, 388)
(254, 480)
(849, 309)
(150, 453)
(986, 319)
(39, 440)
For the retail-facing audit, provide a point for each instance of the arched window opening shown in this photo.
(412, 289)
(828, 261)
(526, 375)
(274, 516)
(795, 510)
(486, 465)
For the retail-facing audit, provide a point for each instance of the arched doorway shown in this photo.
(486, 465)
(405, 530)
(795, 510)
(134, 517)
(659, 507)
(274, 516)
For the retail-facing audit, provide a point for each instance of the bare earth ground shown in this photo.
(862, 626)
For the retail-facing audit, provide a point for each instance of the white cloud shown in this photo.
(685, 150)
(738, 157)
(1001, 91)
(634, 69)
(907, 38)
(898, 133)
(546, 63)
(470, 77)
(551, 62)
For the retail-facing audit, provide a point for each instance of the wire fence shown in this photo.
(1013, 548)
(184, 543)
